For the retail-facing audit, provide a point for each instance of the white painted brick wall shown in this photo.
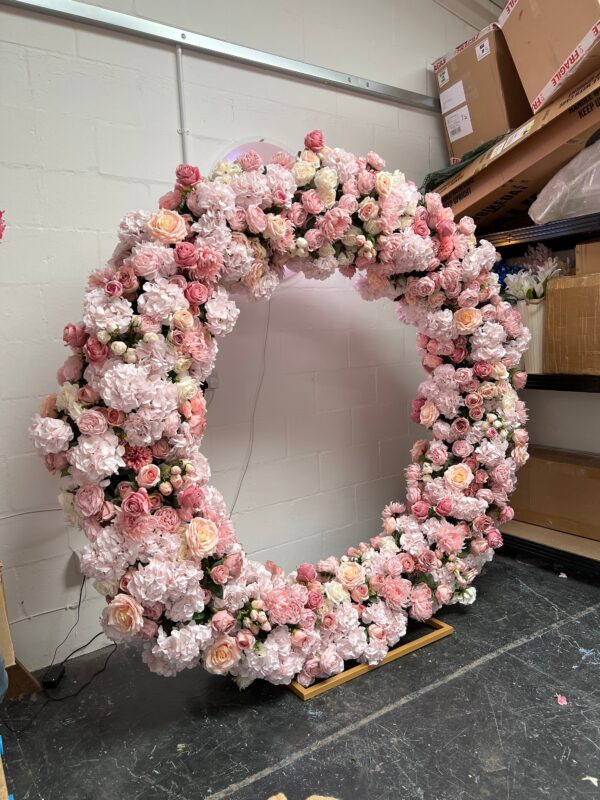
(89, 131)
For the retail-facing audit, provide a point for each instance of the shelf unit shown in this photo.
(560, 548)
(564, 383)
(564, 232)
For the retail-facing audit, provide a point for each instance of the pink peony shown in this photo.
(315, 141)
(421, 602)
(89, 500)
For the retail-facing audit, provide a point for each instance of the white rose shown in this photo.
(350, 237)
(310, 157)
(373, 226)
(303, 172)
(336, 592)
(327, 196)
(466, 597)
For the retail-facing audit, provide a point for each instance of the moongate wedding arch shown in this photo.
(126, 424)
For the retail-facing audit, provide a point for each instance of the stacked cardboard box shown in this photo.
(554, 45)
(480, 92)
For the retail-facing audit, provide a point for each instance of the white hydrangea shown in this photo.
(161, 300)
(50, 435)
(104, 313)
(221, 313)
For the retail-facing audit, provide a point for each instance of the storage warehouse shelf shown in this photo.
(564, 383)
(569, 231)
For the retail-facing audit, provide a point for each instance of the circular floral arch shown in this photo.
(125, 427)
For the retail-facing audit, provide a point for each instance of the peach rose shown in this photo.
(458, 476)
(222, 655)
(148, 476)
(202, 537)
(467, 320)
(428, 414)
(167, 227)
(125, 615)
(350, 574)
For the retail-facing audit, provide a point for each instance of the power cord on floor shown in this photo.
(52, 699)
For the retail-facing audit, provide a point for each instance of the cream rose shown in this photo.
(182, 319)
(125, 615)
(201, 537)
(326, 179)
(310, 157)
(303, 172)
(383, 184)
(368, 209)
(458, 476)
(276, 227)
(222, 655)
(167, 227)
(467, 320)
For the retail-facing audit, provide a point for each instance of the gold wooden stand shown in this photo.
(441, 629)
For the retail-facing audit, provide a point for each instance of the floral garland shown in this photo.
(126, 424)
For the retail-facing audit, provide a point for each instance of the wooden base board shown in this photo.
(441, 629)
(21, 682)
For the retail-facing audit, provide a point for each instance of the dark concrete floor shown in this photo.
(472, 716)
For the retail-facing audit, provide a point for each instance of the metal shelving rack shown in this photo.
(565, 234)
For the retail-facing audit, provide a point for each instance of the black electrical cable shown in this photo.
(51, 699)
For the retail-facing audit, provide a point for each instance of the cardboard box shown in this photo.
(559, 489)
(504, 181)
(480, 92)
(587, 258)
(554, 44)
(572, 325)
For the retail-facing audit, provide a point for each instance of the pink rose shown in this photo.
(461, 448)
(220, 574)
(256, 219)
(89, 499)
(234, 563)
(467, 320)
(421, 602)
(87, 395)
(315, 600)
(71, 370)
(249, 161)
(221, 655)
(375, 160)
(186, 255)
(92, 422)
(297, 215)
(114, 288)
(494, 538)
(350, 574)
(74, 335)
(479, 546)
(148, 476)
(128, 279)
(125, 615)
(223, 622)
(444, 507)
(171, 200)
(115, 418)
(312, 202)
(136, 503)
(306, 573)
(360, 593)
(408, 562)
(396, 593)
(160, 449)
(443, 593)
(314, 141)
(95, 351)
(245, 640)
(420, 510)
(421, 228)
(196, 293)
(191, 497)
(482, 370)
(187, 175)
(519, 380)
(149, 629)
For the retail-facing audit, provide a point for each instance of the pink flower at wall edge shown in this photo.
(125, 426)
